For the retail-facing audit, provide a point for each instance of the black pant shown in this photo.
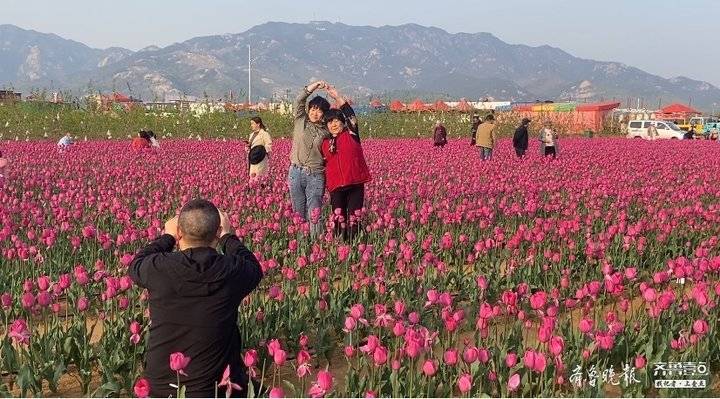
(520, 152)
(550, 150)
(348, 199)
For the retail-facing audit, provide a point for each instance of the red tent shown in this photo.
(396, 106)
(375, 103)
(678, 108)
(441, 106)
(464, 106)
(417, 105)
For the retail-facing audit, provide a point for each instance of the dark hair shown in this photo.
(150, 133)
(490, 118)
(334, 114)
(259, 121)
(199, 221)
(143, 134)
(320, 103)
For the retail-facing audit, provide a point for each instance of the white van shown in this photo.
(638, 129)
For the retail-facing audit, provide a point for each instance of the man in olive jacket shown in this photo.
(485, 137)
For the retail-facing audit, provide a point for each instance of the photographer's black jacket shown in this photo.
(194, 297)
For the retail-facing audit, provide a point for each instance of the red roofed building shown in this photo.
(677, 111)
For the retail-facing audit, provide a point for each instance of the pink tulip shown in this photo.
(178, 362)
(700, 327)
(470, 355)
(19, 332)
(464, 383)
(513, 382)
(277, 392)
(450, 357)
(225, 382)
(640, 362)
(586, 325)
(429, 368)
(556, 345)
(142, 388)
(279, 357)
(510, 359)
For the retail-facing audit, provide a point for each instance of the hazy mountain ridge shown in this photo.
(360, 60)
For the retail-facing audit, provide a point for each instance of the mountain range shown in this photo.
(405, 61)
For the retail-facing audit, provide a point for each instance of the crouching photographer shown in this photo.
(194, 294)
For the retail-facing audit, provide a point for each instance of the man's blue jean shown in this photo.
(485, 153)
(306, 193)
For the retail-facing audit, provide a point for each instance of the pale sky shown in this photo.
(664, 37)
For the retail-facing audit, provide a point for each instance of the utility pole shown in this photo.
(249, 74)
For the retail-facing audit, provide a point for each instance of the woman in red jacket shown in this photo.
(345, 174)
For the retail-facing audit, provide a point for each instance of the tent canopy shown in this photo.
(464, 106)
(441, 106)
(417, 105)
(678, 108)
(396, 106)
(375, 103)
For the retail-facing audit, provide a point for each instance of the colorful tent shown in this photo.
(417, 105)
(396, 106)
(375, 103)
(464, 106)
(440, 106)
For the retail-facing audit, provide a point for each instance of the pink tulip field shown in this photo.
(590, 275)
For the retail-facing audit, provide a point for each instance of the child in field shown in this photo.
(142, 141)
(548, 141)
(65, 142)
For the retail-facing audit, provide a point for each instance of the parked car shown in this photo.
(638, 129)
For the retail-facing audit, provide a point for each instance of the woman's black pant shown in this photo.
(550, 150)
(348, 199)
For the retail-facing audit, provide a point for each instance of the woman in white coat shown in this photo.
(259, 137)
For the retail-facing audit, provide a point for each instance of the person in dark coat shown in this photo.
(476, 121)
(520, 138)
(439, 135)
(194, 294)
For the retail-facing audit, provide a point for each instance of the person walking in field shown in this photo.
(346, 173)
(260, 145)
(194, 294)
(306, 177)
(548, 141)
(485, 138)
(520, 138)
(439, 135)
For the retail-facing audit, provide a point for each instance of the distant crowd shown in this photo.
(482, 136)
